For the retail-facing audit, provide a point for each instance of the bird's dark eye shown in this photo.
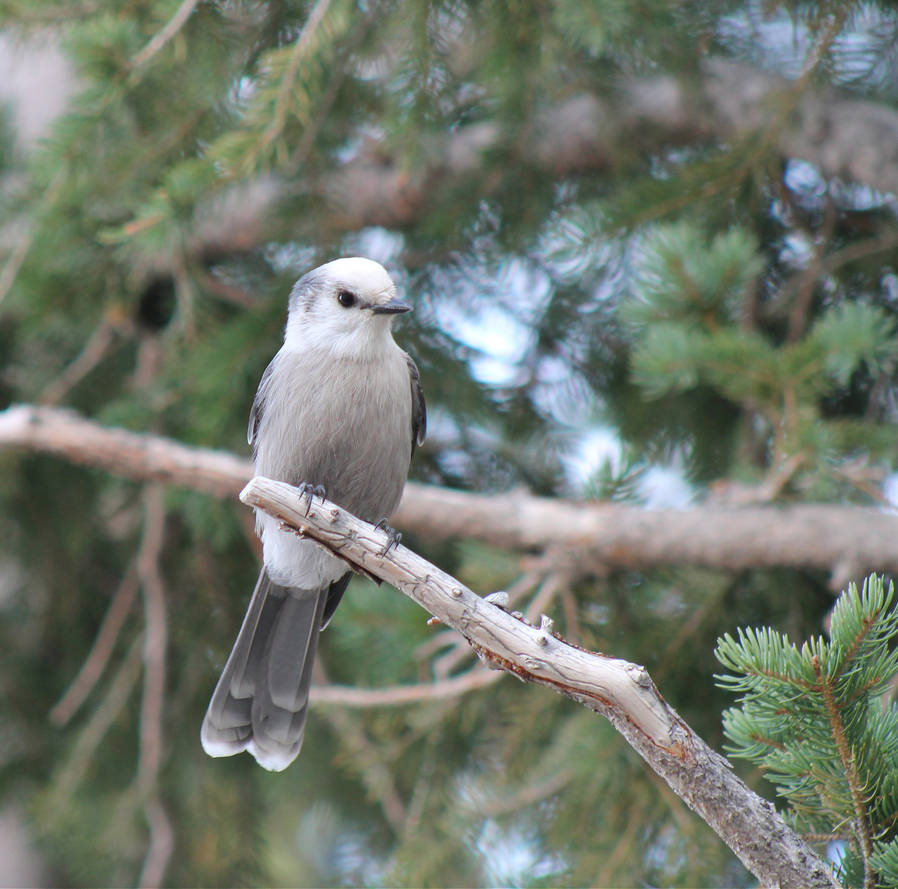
(346, 298)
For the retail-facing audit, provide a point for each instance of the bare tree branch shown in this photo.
(75, 768)
(848, 541)
(96, 661)
(161, 842)
(95, 350)
(458, 651)
(531, 792)
(132, 455)
(622, 692)
(155, 638)
(845, 540)
(400, 695)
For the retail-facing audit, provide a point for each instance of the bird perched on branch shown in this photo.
(339, 412)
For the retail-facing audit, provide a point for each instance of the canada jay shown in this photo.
(339, 411)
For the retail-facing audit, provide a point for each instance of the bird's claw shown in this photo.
(306, 489)
(393, 536)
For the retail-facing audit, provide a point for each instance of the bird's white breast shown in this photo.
(343, 424)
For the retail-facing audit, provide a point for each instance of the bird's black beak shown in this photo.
(393, 307)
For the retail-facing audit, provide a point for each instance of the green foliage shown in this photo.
(690, 312)
(293, 88)
(853, 334)
(815, 719)
(596, 28)
(683, 279)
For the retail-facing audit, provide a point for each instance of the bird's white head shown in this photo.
(345, 306)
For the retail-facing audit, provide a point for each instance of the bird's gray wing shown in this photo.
(334, 595)
(419, 407)
(255, 412)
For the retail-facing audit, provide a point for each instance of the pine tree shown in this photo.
(816, 719)
(668, 227)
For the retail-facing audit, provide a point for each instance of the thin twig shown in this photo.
(369, 761)
(531, 793)
(227, 292)
(624, 842)
(548, 590)
(96, 348)
(155, 637)
(161, 840)
(571, 617)
(161, 38)
(14, 261)
(423, 786)
(162, 844)
(297, 53)
(185, 292)
(342, 69)
(99, 655)
(102, 717)
(400, 695)
(808, 278)
(882, 243)
(863, 833)
(19, 252)
(687, 631)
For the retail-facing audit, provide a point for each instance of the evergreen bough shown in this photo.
(687, 311)
(822, 723)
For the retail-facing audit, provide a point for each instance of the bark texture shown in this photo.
(621, 691)
(847, 541)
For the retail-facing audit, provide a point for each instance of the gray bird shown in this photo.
(339, 410)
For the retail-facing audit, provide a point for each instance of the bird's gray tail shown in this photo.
(261, 699)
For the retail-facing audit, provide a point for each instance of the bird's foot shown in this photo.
(306, 489)
(393, 536)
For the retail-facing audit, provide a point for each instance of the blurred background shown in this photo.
(652, 250)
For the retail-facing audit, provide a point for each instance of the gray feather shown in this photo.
(419, 406)
(340, 406)
(344, 425)
(261, 699)
(255, 412)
